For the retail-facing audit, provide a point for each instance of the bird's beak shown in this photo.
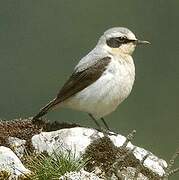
(138, 42)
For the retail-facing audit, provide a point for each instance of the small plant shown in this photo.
(46, 167)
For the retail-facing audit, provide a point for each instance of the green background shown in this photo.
(42, 41)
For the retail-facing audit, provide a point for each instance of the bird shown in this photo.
(102, 79)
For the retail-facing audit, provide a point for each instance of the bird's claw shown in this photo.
(107, 132)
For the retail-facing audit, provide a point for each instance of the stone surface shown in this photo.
(152, 162)
(129, 174)
(9, 162)
(77, 139)
(18, 146)
(81, 175)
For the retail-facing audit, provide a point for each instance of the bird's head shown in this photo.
(120, 40)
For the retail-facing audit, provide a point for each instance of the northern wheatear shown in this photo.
(102, 79)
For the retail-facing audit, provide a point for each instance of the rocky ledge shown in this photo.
(109, 156)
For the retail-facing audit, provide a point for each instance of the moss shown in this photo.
(109, 158)
(4, 175)
(102, 153)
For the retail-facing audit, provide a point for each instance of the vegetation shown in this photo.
(4, 175)
(46, 167)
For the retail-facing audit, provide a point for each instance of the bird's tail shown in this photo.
(44, 110)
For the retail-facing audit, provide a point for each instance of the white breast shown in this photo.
(103, 96)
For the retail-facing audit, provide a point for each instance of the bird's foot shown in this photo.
(107, 132)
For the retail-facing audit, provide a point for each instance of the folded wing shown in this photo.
(76, 83)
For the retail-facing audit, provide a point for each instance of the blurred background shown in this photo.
(42, 41)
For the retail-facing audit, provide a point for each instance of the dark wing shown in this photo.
(77, 82)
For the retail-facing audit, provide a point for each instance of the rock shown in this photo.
(10, 163)
(74, 139)
(18, 146)
(77, 139)
(81, 175)
(129, 174)
(152, 162)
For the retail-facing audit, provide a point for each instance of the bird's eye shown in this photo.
(122, 39)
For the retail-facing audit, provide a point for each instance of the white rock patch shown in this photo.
(81, 175)
(10, 162)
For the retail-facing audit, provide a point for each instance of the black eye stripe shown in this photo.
(113, 42)
(117, 41)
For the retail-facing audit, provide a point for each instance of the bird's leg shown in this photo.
(107, 127)
(95, 121)
(105, 124)
(104, 131)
